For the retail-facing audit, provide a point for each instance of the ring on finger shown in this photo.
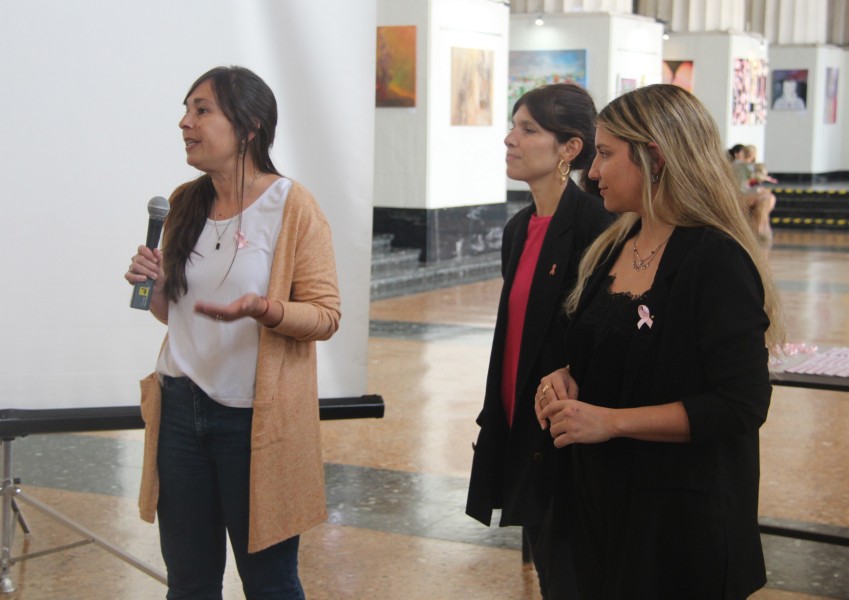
(545, 388)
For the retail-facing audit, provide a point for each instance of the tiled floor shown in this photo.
(397, 486)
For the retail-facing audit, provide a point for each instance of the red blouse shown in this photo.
(516, 307)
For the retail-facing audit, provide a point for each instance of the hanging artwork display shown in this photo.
(759, 72)
(529, 69)
(830, 114)
(790, 89)
(471, 86)
(396, 66)
(679, 72)
(626, 84)
(748, 100)
(740, 92)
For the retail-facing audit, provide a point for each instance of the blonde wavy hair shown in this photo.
(696, 187)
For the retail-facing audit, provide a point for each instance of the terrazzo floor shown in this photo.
(397, 485)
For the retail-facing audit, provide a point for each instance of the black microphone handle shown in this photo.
(154, 229)
(143, 291)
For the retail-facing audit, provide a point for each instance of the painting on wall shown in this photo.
(396, 66)
(759, 73)
(627, 84)
(471, 86)
(749, 97)
(529, 69)
(740, 92)
(679, 72)
(831, 95)
(790, 89)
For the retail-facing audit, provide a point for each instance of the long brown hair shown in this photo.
(250, 106)
(696, 187)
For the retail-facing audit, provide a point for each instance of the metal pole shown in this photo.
(6, 584)
(88, 534)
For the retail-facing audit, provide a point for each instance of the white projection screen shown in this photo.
(92, 93)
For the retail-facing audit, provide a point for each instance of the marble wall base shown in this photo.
(787, 179)
(444, 233)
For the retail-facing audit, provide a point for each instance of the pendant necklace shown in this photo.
(240, 237)
(641, 264)
(220, 233)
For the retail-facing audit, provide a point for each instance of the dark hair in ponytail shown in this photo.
(566, 110)
(250, 106)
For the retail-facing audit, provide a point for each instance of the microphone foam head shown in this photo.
(158, 207)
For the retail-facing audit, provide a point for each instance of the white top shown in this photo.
(221, 357)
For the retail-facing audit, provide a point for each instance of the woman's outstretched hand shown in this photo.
(249, 305)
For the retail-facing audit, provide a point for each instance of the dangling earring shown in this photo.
(563, 175)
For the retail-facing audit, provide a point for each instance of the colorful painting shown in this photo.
(471, 86)
(396, 66)
(758, 86)
(740, 92)
(748, 100)
(790, 89)
(532, 68)
(627, 84)
(679, 72)
(831, 74)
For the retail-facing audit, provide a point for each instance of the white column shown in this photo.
(802, 22)
(696, 15)
(532, 6)
(839, 19)
(518, 7)
(679, 18)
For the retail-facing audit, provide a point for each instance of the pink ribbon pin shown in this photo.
(241, 240)
(645, 316)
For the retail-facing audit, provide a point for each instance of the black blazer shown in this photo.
(683, 518)
(512, 468)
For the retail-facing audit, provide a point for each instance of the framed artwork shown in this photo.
(471, 86)
(758, 88)
(679, 72)
(740, 92)
(748, 99)
(790, 89)
(529, 69)
(626, 84)
(830, 115)
(396, 66)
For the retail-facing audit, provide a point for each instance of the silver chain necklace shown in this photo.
(221, 233)
(641, 264)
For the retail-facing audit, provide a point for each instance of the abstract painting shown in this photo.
(396, 66)
(627, 84)
(679, 72)
(471, 86)
(831, 74)
(748, 100)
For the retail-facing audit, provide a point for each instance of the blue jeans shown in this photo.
(204, 469)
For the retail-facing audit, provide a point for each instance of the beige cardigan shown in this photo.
(287, 474)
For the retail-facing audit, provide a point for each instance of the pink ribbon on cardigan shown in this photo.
(645, 316)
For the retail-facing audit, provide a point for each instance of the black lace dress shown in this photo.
(598, 488)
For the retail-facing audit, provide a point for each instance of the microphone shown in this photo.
(157, 208)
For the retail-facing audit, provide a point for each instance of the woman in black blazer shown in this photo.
(553, 132)
(668, 383)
